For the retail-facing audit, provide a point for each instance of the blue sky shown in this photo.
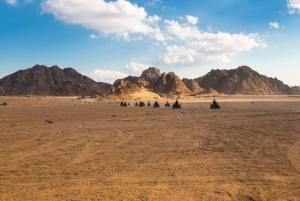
(108, 40)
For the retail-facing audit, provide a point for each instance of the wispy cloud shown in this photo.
(153, 3)
(274, 25)
(94, 36)
(12, 2)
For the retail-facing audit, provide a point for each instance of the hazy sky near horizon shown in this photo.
(108, 40)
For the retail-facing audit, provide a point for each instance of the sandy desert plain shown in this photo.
(247, 150)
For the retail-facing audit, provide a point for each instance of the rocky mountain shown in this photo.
(243, 80)
(151, 75)
(193, 86)
(126, 87)
(170, 84)
(53, 81)
(42, 80)
(129, 78)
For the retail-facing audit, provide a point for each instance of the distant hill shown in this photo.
(53, 81)
(244, 80)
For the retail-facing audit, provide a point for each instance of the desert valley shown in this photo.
(66, 137)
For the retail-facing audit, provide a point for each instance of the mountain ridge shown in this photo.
(53, 81)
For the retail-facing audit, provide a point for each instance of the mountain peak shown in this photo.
(151, 74)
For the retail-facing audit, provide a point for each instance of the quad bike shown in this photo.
(142, 104)
(167, 105)
(155, 105)
(136, 104)
(214, 106)
(148, 104)
(178, 106)
(123, 104)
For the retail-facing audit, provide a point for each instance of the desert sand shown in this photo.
(56, 148)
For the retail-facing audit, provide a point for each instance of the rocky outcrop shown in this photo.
(129, 78)
(151, 75)
(192, 85)
(53, 81)
(127, 87)
(170, 84)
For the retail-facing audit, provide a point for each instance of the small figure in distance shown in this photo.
(215, 105)
(156, 104)
(176, 105)
(167, 104)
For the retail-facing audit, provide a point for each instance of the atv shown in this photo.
(155, 105)
(123, 104)
(178, 106)
(167, 105)
(148, 104)
(214, 106)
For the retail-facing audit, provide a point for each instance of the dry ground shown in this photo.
(247, 150)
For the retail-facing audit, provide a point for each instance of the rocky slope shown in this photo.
(170, 84)
(243, 80)
(193, 86)
(53, 81)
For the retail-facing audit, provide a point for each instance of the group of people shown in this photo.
(141, 104)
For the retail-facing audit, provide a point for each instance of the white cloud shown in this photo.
(119, 17)
(203, 47)
(274, 25)
(154, 19)
(12, 2)
(182, 32)
(192, 20)
(293, 6)
(94, 36)
(133, 67)
(106, 75)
